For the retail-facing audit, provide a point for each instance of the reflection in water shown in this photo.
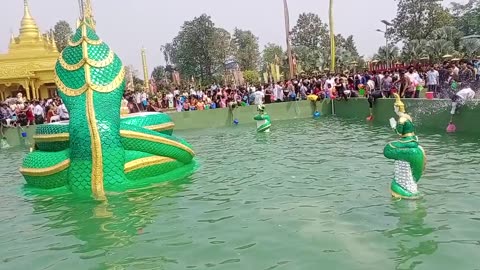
(410, 227)
(323, 187)
(104, 225)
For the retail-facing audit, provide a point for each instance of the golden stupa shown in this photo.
(28, 65)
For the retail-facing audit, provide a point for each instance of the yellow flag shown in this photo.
(277, 71)
(273, 72)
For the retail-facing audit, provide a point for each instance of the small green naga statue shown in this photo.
(99, 150)
(263, 119)
(409, 156)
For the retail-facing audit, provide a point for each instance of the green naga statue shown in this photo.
(98, 150)
(409, 156)
(263, 119)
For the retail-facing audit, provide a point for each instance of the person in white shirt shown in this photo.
(138, 100)
(278, 90)
(433, 78)
(199, 94)
(259, 96)
(38, 113)
(63, 112)
(170, 100)
(460, 98)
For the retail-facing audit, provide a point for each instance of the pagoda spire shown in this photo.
(28, 28)
(12, 38)
(54, 43)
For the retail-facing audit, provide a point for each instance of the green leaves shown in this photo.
(311, 44)
(272, 54)
(417, 19)
(62, 32)
(251, 77)
(246, 49)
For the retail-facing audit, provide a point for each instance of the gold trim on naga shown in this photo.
(46, 171)
(161, 127)
(98, 64)
(98, 88)
(156, 139)
(146, 162)
(59, 137)
(408, 135)
(96, 146)
(84, 37)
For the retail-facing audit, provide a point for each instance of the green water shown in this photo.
(309, 195)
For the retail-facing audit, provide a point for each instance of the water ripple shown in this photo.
(309, 193)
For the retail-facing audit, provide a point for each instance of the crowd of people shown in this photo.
(443, 81)
(20, 112)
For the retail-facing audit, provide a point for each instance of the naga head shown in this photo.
(399, 107)
(261, 108)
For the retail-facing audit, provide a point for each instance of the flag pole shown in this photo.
(332, 40)
(287, 32)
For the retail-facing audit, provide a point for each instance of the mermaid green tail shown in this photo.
(409, 156)
(98, 150)
(409, 166)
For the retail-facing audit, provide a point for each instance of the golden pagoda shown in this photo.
(28, 65)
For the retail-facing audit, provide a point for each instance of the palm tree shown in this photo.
(381, 55)
(448, 33)
(438, 48)
(343, 59)
(414, 50)
(470, 47)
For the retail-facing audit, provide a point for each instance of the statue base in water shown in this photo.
(403, 185)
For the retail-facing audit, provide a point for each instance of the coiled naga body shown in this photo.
(409, 156)
(263, 120)
(98, 150)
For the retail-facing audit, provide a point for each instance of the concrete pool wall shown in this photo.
(427, 114)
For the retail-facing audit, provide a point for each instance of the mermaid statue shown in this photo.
(409, 156)
(263, 119)
(101, 148)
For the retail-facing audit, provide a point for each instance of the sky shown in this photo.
(127, 25)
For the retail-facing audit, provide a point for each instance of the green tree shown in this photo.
(467, 17)
(168, 53)
(272, 54)
(351, 47)
(470, 47)
(310, 41)
(62, 33)
(158, 73)
(251, 77)
(449, 33)
(418, 19)
(193, 49)
(310, 32)
(393, 53)
(223, 48)
(414, 50)
(246, 49)
(440, 47)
